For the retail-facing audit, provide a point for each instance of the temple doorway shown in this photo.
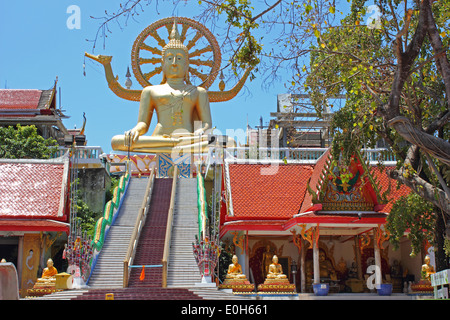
(9, 248)
(261, 256)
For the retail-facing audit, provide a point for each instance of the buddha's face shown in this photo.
(235, 259)
(275, 259)
(321, 256)
(175, 63)
(49, 263)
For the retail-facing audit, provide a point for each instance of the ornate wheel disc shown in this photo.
(204, 51)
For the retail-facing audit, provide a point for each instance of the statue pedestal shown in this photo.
(422, 287)
(277, 286)
(43, 287)
(238, 285)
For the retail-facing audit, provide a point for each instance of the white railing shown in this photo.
(274, 154)
(293, 155)
(84, 154)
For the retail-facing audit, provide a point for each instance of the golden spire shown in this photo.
(175, 41)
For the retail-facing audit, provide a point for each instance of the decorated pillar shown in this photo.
(30, 261)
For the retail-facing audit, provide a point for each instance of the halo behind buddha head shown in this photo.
(176, 43)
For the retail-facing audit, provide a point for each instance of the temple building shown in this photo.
(33, 107)
(34, 214)
(315, 223)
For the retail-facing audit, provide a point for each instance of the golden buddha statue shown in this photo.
(235, 279)
(276, 281)
(266, 261)
(427, 269)
(177, 103)
(49, 273)
(48, 278)
(235, 270)
(424, 284)
(326, 268)
(275, 270)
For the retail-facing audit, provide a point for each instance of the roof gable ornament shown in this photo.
(351, 187)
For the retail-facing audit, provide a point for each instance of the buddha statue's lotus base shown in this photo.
(276, 286)
(423, 286)
(238, 285)
(42, 288)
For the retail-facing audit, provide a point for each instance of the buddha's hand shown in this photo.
(131, 137)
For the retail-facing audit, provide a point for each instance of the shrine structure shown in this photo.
(327, 228)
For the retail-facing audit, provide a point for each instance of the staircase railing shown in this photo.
(140, 220)
(202, 207)
(165, 259)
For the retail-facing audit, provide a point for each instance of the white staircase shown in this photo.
(108, 271)
(182, 269)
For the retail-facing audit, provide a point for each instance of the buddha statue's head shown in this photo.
(234, 259)
(49, 263)
(275, 259)
(175, 58)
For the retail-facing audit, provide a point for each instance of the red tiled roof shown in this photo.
(260, 191)
(33, 189)
(283, 194)
(314, 180)
(19, 98)
(384, 182)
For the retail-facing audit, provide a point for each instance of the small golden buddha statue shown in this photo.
(48, 277)
(326, 268)
(50, 271)
(427, 269)
(235, 270)
(183, 111)
(276, 281)
(275, 270)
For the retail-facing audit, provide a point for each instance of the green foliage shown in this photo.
(415, 215)
(239, 15)
(359, 61)
(24, 142)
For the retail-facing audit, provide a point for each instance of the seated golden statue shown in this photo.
(235, 270)
(47, 283)
(424, 284)
(275, 270)
(276, 281)
(427, 269)
(177, 104)
(48, 274)
(235, 279)
(326, 268)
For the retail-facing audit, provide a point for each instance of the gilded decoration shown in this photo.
(239, 241)
(347, 188)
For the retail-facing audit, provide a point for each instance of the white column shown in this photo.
(316, 257)
(377, 260)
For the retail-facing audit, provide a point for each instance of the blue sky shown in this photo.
(36, 46)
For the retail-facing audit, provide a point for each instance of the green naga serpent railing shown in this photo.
(202, 207)
(103, 223)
